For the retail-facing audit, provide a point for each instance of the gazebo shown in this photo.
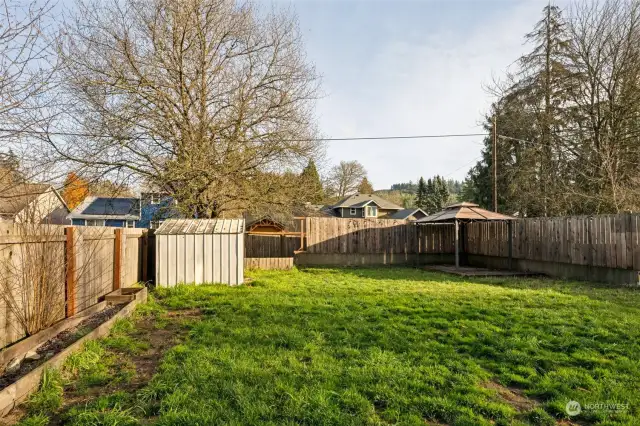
(464, 213)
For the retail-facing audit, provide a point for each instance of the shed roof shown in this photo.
(201, 226)
(463, 211)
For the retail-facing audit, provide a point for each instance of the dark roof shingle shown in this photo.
(360, 200)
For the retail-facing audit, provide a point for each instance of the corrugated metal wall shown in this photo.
(199, 257)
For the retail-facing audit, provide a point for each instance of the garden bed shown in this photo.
(58, 343)
(17, 384)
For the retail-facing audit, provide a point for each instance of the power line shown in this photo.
(359, 138)
(459, 135)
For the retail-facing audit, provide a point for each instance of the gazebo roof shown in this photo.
(463, 211)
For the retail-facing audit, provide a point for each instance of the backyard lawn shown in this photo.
(359, 346)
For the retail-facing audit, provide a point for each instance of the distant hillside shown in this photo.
(403, 193)
(401, 198)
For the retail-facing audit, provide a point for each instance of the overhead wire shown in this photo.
(356, 138)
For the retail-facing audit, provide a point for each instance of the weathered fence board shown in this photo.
(372, 236)
(268, 262)
(611, 241)
(271, 245)
(84, 279)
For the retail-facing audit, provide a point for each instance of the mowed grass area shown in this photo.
(368, 346)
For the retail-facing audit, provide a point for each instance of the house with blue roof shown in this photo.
(118, 212)
(148, 211)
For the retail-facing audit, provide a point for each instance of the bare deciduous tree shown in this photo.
(345, 178)
(27, 67)
(199, 98)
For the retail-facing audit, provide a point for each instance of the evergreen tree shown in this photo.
(441, 193)
(365, 186)
(434, 196)
(530, 115)
(430, 205)
(421, 194)
(310, 178)
(543, 84)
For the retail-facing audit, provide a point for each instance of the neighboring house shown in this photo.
(156, 208)
(364, 206)
(409, 214)
(107, 211)
(32, 203)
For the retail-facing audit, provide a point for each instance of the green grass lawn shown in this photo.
(363, 346)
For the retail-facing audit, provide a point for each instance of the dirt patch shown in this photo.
(58, 343)
(158, 338)
(512, 396)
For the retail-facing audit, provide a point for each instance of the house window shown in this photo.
(155, 224)
(130, 224)
(371, 211)
(95, 222)
(352, 212)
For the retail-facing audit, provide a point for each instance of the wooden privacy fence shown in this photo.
(611, 241)
(371, 236)
(268, 262)
(86, 262)
(270, 246)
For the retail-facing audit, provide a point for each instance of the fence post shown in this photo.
(510, 239)
(145, 256)
(71, 267)
(117, 259)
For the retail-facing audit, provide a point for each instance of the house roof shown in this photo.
(361, 200)
(406, 213)
(463, 211)
(107, 208)
(201, 226)
(16, 197)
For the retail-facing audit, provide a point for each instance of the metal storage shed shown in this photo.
(200, 251)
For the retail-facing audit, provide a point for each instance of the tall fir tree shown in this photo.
(421, 194)
(530, 115)
(365, 186)
(441, 193)
(310, 178)
(543, 84)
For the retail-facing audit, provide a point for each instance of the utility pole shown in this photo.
(494, 164)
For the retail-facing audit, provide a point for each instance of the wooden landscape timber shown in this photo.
(20, 390)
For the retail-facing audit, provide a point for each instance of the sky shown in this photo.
(410, 67)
